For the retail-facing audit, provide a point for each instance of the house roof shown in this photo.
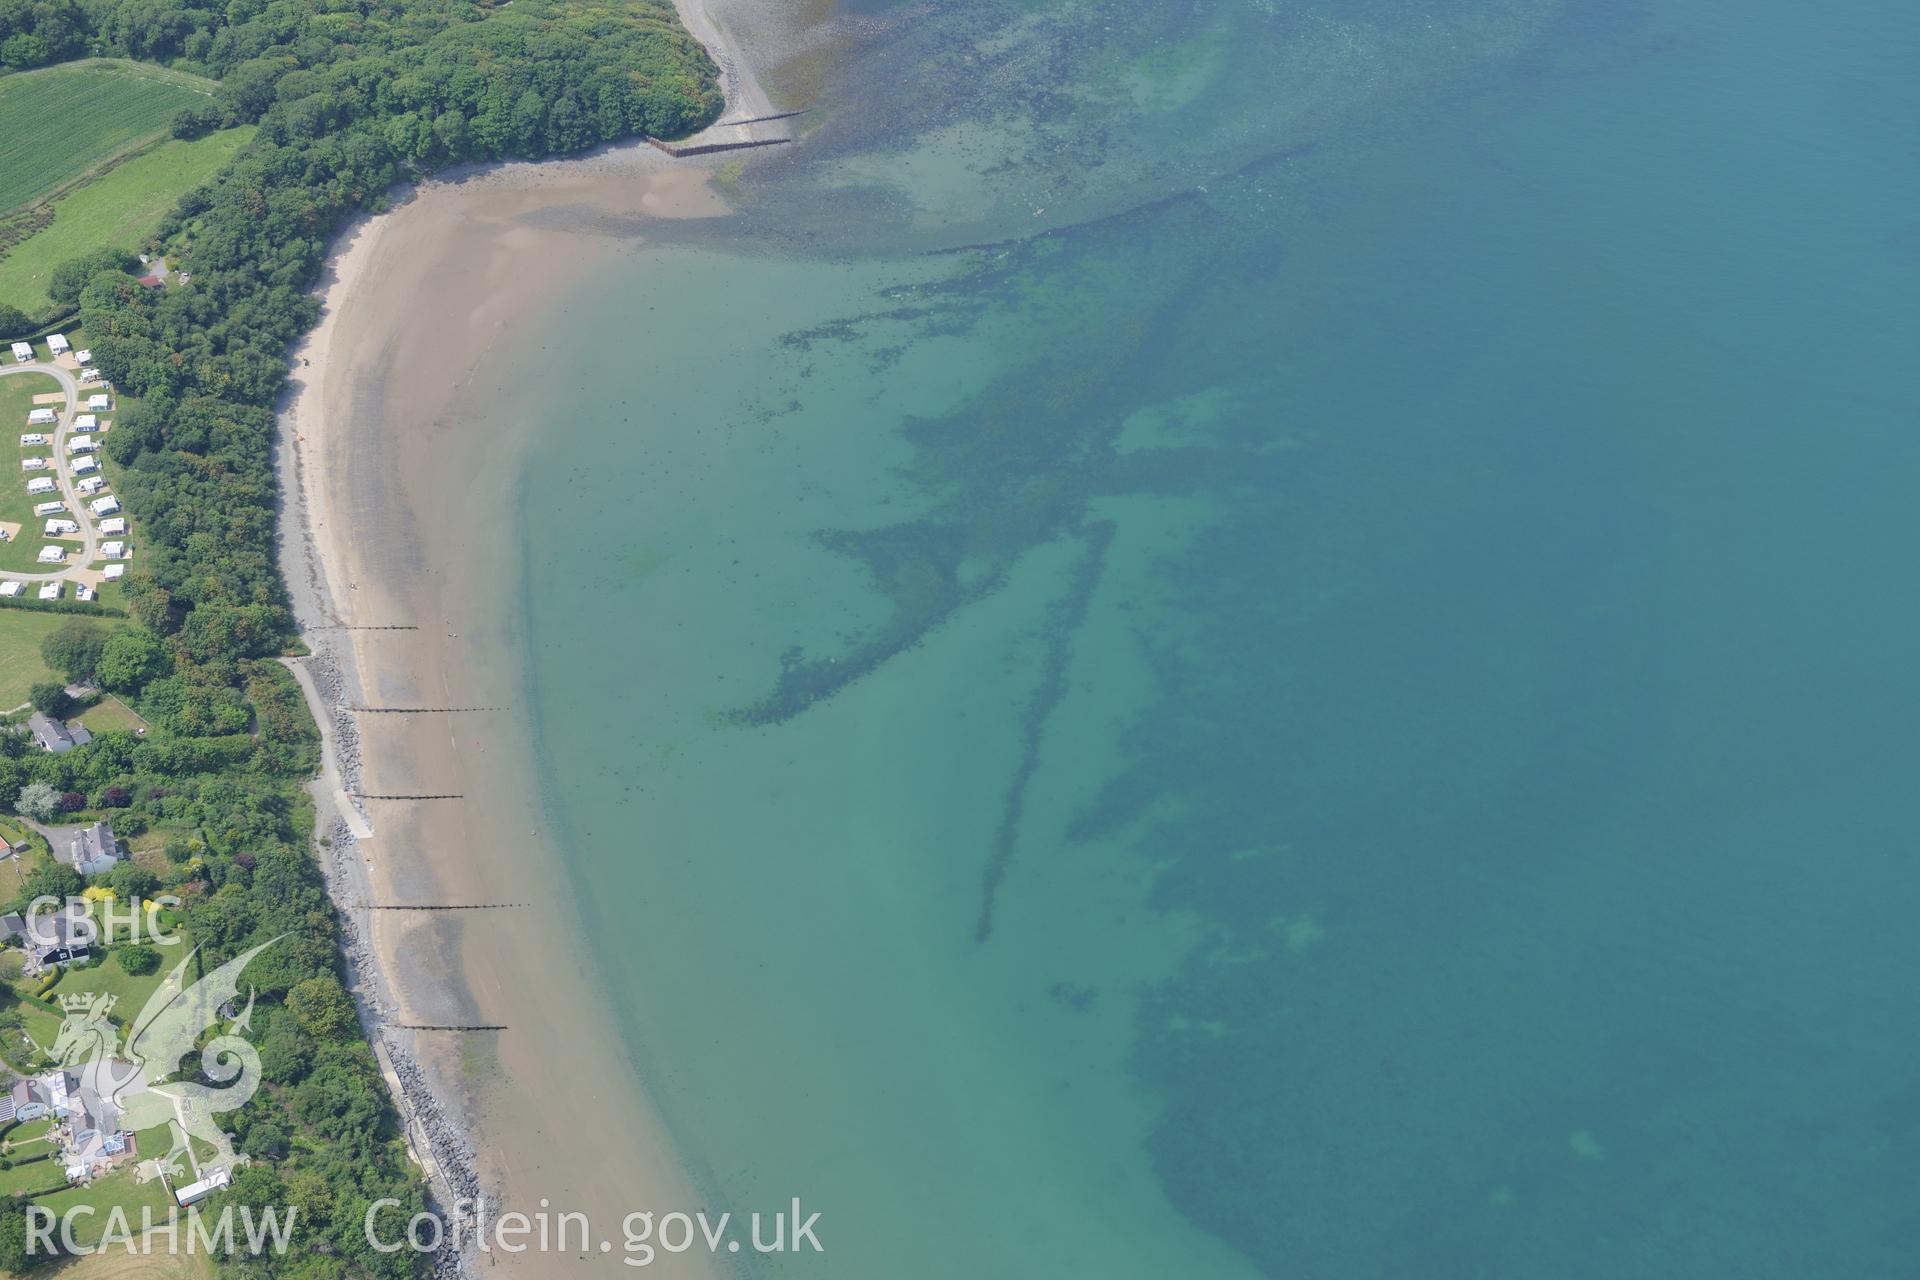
(50, 733)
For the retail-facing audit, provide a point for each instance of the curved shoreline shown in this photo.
(374, 524)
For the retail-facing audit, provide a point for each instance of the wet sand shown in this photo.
(400, 478)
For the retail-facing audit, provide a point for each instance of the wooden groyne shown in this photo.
(678, 151)
(778, 115)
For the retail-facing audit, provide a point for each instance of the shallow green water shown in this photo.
(1349, 716)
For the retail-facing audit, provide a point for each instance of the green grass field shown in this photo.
(61, 123)
(117, 210)
(21, 631)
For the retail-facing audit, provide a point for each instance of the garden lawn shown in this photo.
(117, 1189)
(21, 631)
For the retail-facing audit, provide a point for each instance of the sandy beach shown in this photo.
(400, 546)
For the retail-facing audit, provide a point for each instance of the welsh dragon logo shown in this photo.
(133, 1079)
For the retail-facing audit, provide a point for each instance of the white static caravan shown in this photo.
(52, 555)
(87, 462)
(57, 528)
(41, 417)
(12, 587)
(22, 353)
(114, 550)
(39, 485)
(99, 403)
(50, 590)
(113, 571)
(58, 344)
(105, 505)
(89, 375)
(92, 484)
(84, 355)
(50, 508)
(115, 527)
(34, 464)
(32, 438)
(86, 422)
(81, 591)
(82, 444)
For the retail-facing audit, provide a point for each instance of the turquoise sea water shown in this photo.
(1271, 640)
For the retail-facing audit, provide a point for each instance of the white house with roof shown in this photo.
(52, 555)
(58, 344)
(105, 505)
(114, 550)
(81, 444)
(99, 402)
(84, 355)
(50, 590)
(86, 422)
(113, 571)
(86, 462)
(40, 484)
(92, 850)
(114, 526)
(42, 417)
(23, 353)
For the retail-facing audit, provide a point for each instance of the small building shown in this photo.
(13, 588)
(42, 417)
(51, 734)
(194, 1192)
(58, 528)
(35, 464)
(58, 344)
(85, 463)
(86, 422)
(23, 353)
(27, 1100)
(114, 526)
(93, 850)
(99, 403)
(105, 505)
(50, 590)
(84, 355)
(82, 444)
(93, 484)
(39, 485)
(114, 550)
(53, 508)
(115, 571)
(52, 555)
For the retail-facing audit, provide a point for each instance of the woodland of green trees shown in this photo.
(351, 98)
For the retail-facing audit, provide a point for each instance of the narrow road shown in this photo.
(63, 474)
